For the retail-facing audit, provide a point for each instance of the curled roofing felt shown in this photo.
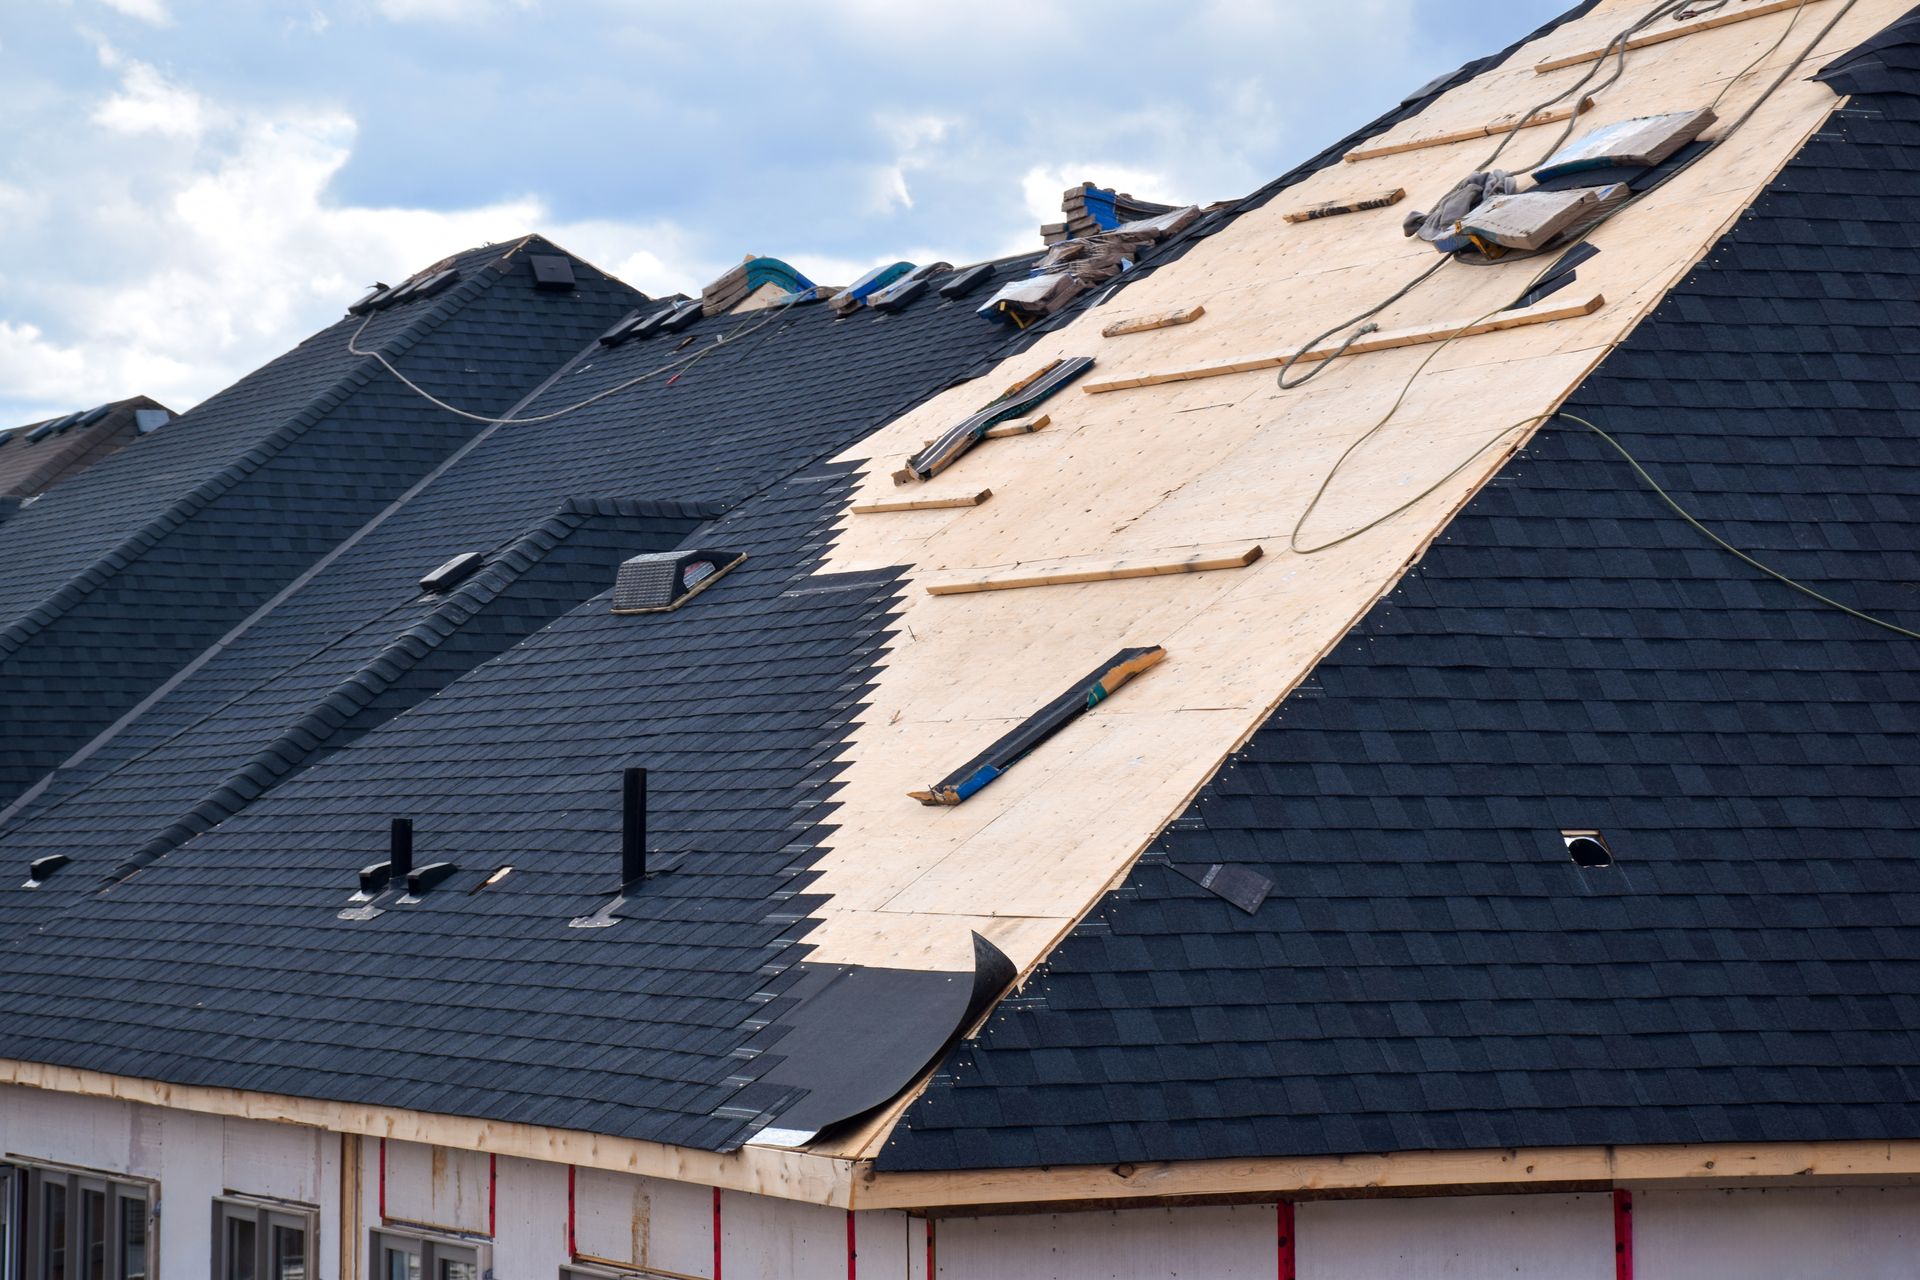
(1431, 969)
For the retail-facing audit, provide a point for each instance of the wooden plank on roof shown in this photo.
(1151, 564)
(1019, 426)
(1672, 33)
(1490, 130)
(922, 504)
(1348, 204)
(1158, 320)
(1386, 340)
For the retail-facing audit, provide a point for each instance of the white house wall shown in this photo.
(1863, 1233)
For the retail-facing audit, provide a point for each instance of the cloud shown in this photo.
(446, 10)
(154, 11)
(147, 103)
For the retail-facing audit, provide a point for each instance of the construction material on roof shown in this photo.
(1692, 26)
(1096, 687)
(922, 504)
(855, 295)
(907, 287)
(551, 271)
(1535, 220)
(1091, 210)
(1157, 320)
(901, 1019)
(679, 316)
(662, 581)
(1072, 266)
(1350, 204)
(965, 282)
(454, 571)
(1016, 401)
(1019, 426)
(1635, 143)
(1023, 302)
(1558, 276)
(1244, 887)
(1441, 227)
(1055, 573)
(1493, 128)
(749, 277)
(1383, 340)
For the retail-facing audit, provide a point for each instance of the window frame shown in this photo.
(265, 1214)
(432, 1251)
(31, 1181)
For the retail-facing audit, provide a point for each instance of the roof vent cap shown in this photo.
(453, 572)
(665, 580)
(1588, 849)
(551, 271)
(41, 868)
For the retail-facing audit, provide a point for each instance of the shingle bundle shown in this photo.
(1092, 209)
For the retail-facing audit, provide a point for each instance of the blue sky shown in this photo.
(189, 187)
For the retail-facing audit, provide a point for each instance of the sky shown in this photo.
(190, 187)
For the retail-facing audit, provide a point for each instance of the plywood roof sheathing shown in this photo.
(1671, 33)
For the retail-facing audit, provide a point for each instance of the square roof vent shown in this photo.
(665, 580)
(551, 271)
(151, 420)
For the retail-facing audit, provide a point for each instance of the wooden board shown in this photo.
(1386, 340)
(1559, 115)
(1019, 426)
(1651, 38)
(922, 504)
(1348, 204)
(1159, 320)
(1055, 573)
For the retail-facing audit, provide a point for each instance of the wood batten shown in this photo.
(1019, 426)
(1156, 320)
(1055, 573)
(1491, 129)
(922, 504)
(1349, 204)
(1691, 27)
(1539, 313)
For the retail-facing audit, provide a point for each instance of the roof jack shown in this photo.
(635, 869)
(1022, 398)
(1096, 687)
(397, 872)
(41, 868)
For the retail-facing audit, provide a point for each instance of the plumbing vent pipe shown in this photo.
(399, 850)
(633, 828)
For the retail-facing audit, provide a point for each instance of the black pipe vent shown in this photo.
(665, 580)
(633, 828)
(41, 868)
(453, 572)
(399, 849)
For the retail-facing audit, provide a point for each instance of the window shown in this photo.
(259, 1239)
(63, 1224)
(409, 1257)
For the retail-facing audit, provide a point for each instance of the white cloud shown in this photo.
(446, 10)
(148, 103)
(154, 11)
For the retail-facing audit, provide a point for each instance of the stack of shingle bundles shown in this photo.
(726, 293)
(1071, 267)
(1091, 210)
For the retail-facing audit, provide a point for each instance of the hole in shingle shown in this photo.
(495, 878)
(1588, 849)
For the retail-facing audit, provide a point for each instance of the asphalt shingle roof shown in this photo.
(1430, 970)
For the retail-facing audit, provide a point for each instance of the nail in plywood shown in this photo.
(1491, 130)
(1053, 573)
(1158, 320)
(1352, 204)
(1019, 426)
(1672, 33)
(1386, 340)
(922, 504)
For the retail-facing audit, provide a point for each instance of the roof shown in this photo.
(122, 574)
(38, 460)
(1430, 970)
(786, 713)
(734, 705)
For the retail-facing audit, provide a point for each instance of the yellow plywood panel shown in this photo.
(1232, 459)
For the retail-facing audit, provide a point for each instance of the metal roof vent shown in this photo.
(41, 868)
(148, 421)
(967, 281)
(1588, 849)
(682, 315)
(454, 572)
(665, 580)
(551, 271)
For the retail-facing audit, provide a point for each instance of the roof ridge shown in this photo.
(130, 548)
